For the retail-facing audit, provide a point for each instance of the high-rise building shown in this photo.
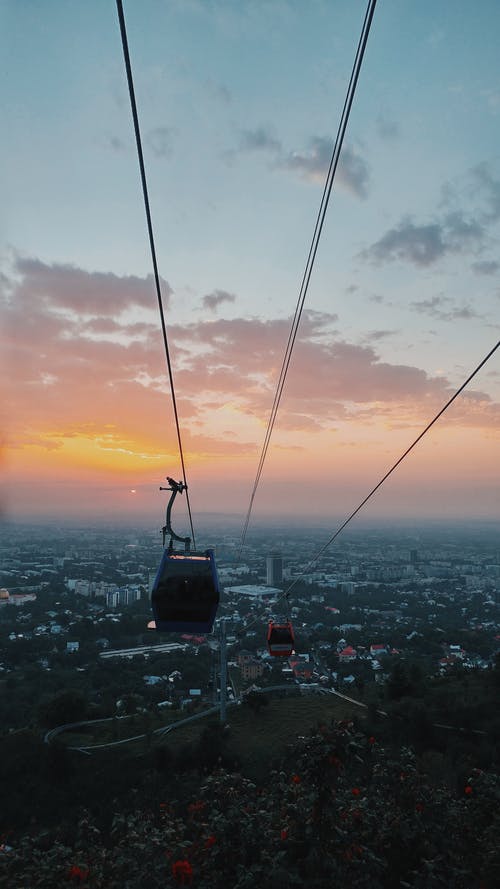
(274, 569)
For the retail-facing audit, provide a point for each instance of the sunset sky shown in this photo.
(239, 103)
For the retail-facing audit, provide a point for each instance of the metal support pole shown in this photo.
(223, 670)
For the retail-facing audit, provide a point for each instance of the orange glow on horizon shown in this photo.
(447, 460)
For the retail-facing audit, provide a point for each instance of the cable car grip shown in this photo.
(175, 488)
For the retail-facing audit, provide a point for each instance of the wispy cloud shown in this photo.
(486, 185)
(377, 335)
(116, 144)
(219, 91)
(386, 128)
(312, 163)
(486, 267)
(159, 141)
(260, 139)
(444, 309)
(212, 300)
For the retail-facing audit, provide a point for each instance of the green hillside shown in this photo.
(298, 791)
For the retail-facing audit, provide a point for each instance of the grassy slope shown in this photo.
(257, 739)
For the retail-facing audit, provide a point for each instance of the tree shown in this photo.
(68, 706)
(256, 701)
(399, 684)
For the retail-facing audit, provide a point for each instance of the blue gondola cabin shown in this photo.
(185, 593)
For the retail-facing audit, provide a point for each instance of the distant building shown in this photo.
(456, 651)
(244, 657)
(378, 650)
(255, 592)
(153, 680)
(18, 599)
(274, 569)
(301, 666)
(112, 599)
(348, 654)
(252, 669)
(122, 596)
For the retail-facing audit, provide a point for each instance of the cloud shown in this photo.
(314, 163)
(159, 141)
(116, 143)
(443, 309)
(424, 245)
(311, 164)
(109, 327)
(486, 267)
(485, 185)
(387, 129)
(377, 335)
(421, 245)
(452, 230)
(492, 97)
(219, 91)
(260, 139)
(216, 298)
(461, 232)
(87, 293)
(95, 378)
(353, 172)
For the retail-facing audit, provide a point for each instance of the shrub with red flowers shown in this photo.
(182, 872)
(377, 822)
(78, 874)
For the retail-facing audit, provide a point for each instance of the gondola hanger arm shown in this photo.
(175, 488)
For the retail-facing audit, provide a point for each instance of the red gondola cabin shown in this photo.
(280, 639)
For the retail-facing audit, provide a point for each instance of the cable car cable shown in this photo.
(312, 253)
(339, 530)
(140, 156)
(394, 466)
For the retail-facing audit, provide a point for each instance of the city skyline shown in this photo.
(239, 106)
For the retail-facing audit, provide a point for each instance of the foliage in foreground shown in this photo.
(341, 808)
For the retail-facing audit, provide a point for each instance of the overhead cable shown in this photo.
(379, 484)
(393, 467)
(140, 156)
(312, 254)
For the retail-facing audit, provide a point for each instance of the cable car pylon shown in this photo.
(223, 670)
